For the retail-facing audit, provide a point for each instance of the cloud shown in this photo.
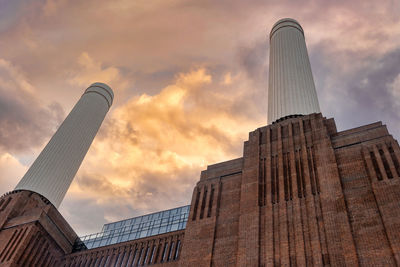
(227, 80)
(90, 71)
(151, 150)
(11, 170)
(394, 90)
(24, 122)
(369, 91)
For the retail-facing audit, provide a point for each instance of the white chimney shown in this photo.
(54, 169)
(291, 89)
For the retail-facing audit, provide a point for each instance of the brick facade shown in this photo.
(162, 250)
(303, 194)
(32, 231)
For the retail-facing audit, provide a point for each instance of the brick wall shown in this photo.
(303, 194)
(163, 250)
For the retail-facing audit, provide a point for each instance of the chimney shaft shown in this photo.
(291, 89)
(54, 169)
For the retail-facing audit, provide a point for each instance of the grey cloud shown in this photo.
(253, 59)
(24, 123)
(86, 216)
(360, 95)
(370, 88)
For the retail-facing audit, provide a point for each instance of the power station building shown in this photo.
(302, 194)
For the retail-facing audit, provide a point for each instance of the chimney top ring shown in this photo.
(104, 90)
(285, 22)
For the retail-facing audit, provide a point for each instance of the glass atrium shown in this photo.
(138, 227)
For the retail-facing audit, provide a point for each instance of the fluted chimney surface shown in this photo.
(52, 172)
(291, 89)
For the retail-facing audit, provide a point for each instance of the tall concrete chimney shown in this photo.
(291, 89)
(54, 169)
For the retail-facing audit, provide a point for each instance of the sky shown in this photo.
(190, 82)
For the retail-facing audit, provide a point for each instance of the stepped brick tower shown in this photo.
(302, 194)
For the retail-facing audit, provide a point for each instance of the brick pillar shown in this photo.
(32, 231)
(248, 246)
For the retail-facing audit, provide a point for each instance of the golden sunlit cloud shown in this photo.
(227, 79)
(155, 146)
(91, 71)
(14, 78)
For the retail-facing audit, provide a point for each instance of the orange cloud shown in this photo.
(152, 148)
(91, 71)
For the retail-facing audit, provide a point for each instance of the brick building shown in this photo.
(302, 194)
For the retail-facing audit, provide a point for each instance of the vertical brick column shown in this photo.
(248, 247)
(341, 247)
